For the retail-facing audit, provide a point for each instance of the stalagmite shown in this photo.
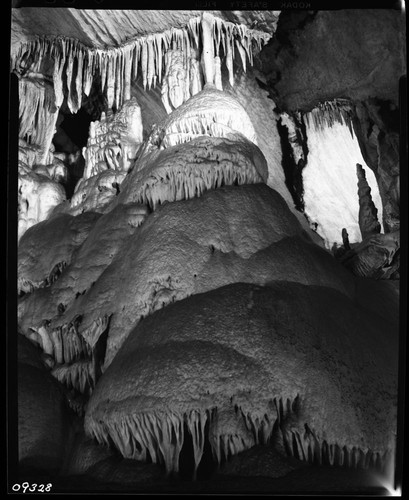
(368, 219)
(345, 239)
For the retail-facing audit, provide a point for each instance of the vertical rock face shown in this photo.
(180, 302)
(368, 220)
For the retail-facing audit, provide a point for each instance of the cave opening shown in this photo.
(70, 137)
(75, 127)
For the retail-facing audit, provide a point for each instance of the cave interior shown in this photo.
(208, 249)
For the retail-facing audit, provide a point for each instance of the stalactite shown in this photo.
(103, 64)
(118, 78)
(229, 62)
(329, 112)
(151, 63)
(110, 79)
(242, 53)
(127, 75)
(228, 433)
(82, 64)
(37, 117)
(79, 83)
(191, 181)
(144, 64)
(196, 422)
(88, 72)
(78, 375)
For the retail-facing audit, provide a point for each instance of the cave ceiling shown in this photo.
(111, 28)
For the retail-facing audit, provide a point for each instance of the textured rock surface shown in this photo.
(100, 27)
(250, 349)
(376, 257)
(181, 173)
(46, 248)
(355, 54)
(114, 140)
(38, 195)
(228, 235)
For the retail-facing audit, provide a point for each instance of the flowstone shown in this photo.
(253, 362)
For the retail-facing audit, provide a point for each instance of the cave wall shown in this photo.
(358, 55)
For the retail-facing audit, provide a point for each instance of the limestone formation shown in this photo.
(262, 369)
(38, 195)
(376, 257)
(182, 321)
(47, 248)
(75, 65)
(114, 140)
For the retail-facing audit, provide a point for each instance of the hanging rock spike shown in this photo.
(118, 66)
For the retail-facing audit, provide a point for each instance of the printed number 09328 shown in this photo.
(41, 488)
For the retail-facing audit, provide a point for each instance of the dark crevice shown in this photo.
(292, 169)
(207, 465)
(100, 351)
(55, 273)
